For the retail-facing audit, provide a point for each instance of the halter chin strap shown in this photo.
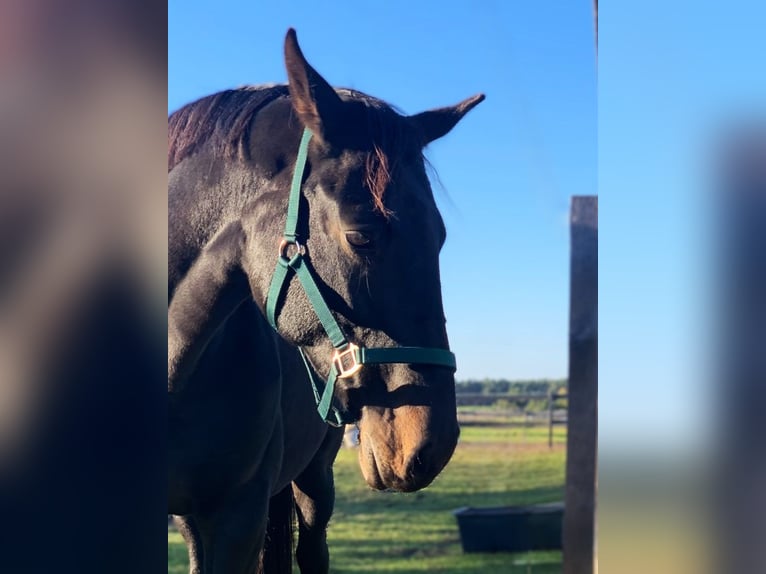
(348, 358)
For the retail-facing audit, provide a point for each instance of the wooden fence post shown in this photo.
(580, 494)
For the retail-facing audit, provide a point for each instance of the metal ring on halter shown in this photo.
(285, 243)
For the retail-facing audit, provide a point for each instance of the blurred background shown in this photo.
(82, 281)
(681, 97)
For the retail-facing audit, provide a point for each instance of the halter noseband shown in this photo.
(348, 357)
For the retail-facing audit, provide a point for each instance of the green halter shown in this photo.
(348, 357)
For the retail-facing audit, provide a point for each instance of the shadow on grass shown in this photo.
(417, 532)
(480, 564)
(430, 500)
(550, 568)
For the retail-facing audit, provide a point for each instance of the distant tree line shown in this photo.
(506, 387)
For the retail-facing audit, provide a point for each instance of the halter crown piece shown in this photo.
(348, 357)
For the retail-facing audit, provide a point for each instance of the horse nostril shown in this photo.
(415, 468)
(426, 448)
(420, 461)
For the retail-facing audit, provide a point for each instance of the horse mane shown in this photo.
(223, 120)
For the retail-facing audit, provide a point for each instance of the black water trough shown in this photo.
(511, 528)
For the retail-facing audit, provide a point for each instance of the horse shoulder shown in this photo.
(212, 289)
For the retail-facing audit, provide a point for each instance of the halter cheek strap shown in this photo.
(348, 358)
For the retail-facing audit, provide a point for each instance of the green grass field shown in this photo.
(374, 532)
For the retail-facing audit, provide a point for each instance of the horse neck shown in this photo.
(206, 194)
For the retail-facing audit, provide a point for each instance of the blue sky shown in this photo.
(508, 170)
(672, 77)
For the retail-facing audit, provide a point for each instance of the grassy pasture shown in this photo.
(494, 465)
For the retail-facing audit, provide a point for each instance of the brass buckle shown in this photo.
(345, 361)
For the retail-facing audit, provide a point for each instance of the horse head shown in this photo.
(371, 232)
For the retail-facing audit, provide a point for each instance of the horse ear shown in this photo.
(314, 100)
(434, 124)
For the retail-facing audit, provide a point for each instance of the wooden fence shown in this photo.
(553, 414)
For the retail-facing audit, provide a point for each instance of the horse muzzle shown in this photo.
(397, 453)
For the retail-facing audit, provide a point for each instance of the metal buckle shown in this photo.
(285, 243)
(345, 361)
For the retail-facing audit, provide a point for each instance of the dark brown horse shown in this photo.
(245, 439)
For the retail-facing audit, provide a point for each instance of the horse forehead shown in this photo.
(350, 161)
(341, 167)
(403, 175)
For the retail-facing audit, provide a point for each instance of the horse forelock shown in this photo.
(377, 178)
(388, 134)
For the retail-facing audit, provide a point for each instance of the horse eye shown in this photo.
(359, 240)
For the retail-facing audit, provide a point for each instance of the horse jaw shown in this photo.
(404, 448)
